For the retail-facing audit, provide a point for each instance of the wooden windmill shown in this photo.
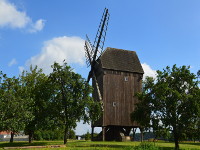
(116, 77)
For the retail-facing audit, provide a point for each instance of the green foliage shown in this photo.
(142, 114)
(72, 134)
(38, 135)
(14, 105)
(39, 91)
(34, 102)
(170, 103)
(48, 135)
(198, 74)
(71, 99)
(94, 109)
(87, 136)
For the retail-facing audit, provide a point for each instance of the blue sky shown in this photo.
(40, 32)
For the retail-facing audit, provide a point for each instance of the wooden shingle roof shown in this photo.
(120, 60)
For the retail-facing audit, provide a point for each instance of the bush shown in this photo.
(72, 134)
(38, 135)
(48, 135)
(87, 136)
(56, 134)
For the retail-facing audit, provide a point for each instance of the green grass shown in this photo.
(89, 145)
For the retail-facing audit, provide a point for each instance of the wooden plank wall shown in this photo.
(119, 97)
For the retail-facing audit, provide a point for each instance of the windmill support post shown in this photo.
(104, 133)
(134, 131)
(141, 134)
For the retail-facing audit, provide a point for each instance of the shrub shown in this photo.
(72, 134)
(48, 135)
(38, 135)
(87, 136)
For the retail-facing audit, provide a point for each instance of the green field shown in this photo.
(89, 145)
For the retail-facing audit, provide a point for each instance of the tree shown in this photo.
(198, 74)
(14, 104)
(171, 102)
(70, 99)
(87, 136)
(72, 134)
(143, 110)
(39, 91)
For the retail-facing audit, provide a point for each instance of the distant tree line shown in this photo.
(88, 136)
(170, 104)
(37, 103)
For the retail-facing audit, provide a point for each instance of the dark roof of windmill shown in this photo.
(120, 60)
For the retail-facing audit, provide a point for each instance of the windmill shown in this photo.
(116, 77)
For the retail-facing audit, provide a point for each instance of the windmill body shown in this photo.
(119, 76)
(116, 77)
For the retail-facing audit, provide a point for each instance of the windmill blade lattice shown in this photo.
(92, 52)
(101, 34)
(89, 51)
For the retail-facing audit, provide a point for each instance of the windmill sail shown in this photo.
(101, 34)
(92, 52)
(89, 50)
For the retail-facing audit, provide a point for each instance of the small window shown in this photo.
(125, 78)
(114, 104)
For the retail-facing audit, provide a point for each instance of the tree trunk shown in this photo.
(12, 137)
(176, 144)
(92, 134)
(176, 138)
(30, 137)
(65, 134)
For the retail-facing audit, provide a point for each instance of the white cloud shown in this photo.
(38, 26)
(10, 16)
(148, 71)
(58, 49)
(13, 18)
(12, 62)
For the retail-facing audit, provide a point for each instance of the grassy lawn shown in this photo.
(89, 145)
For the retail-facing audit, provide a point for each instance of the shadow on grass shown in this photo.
(85, 144)
(104, 145)
(166, 148)
(191, 143)
(125, 147)
(20, 144)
